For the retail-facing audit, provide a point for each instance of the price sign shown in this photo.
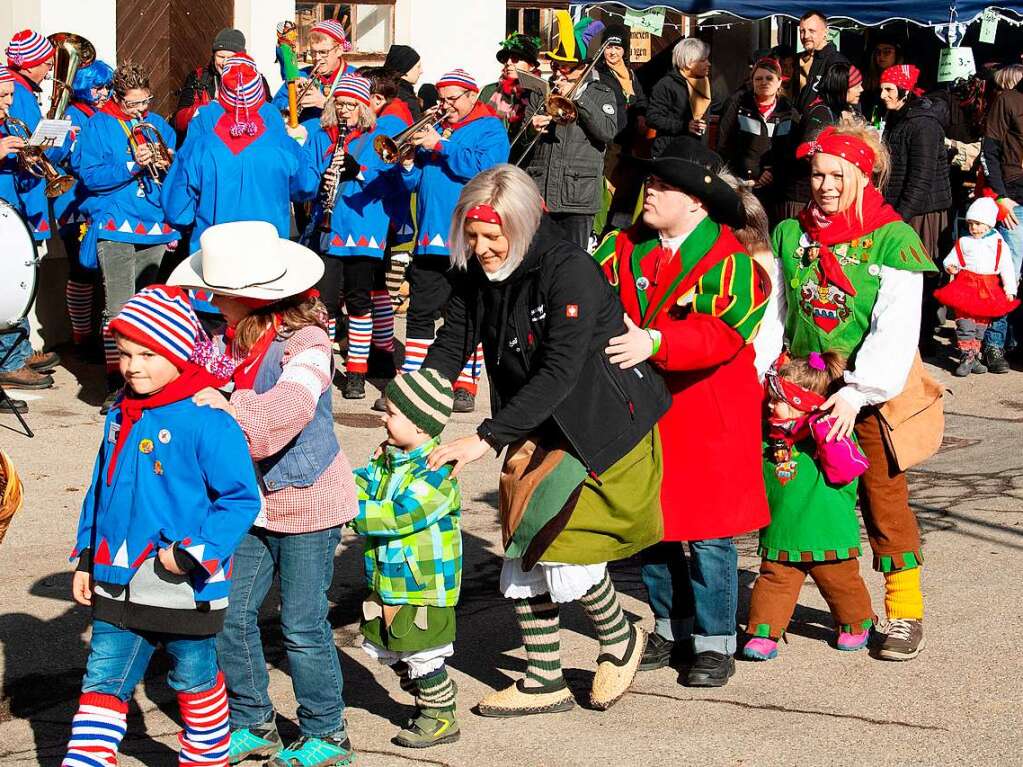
(955, 64)
(988, 26)
(650, 21)
(640, 49)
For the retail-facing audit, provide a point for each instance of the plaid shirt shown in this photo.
(410, 517)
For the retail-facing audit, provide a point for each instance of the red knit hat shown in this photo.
(855, 76)
(333, 29)
(161, 319)
(28, 48)
(901, 76)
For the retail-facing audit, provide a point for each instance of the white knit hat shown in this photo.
(983, 210)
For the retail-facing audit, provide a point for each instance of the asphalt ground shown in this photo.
(958, 703)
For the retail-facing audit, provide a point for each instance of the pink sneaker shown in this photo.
(760, 648)
(851, 642)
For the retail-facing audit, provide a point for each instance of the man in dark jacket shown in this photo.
(1002, 158)
(404, 60)
(202, 85)
(919, 187)
(817, 55)
(567, 164)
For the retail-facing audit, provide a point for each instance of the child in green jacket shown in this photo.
(410, 517)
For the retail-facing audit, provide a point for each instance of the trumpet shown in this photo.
(309, 83)
(399, 148)
(74, 52)
(146, 134)
(33, 161)
(560, 107)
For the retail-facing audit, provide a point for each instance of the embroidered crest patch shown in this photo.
(572, 311)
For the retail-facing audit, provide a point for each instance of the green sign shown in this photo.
(955, 64)
(650, 21)
(988, 26)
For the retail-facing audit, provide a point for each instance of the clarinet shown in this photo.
(330, 194)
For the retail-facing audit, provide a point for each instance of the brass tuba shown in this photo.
(399, 148)
(33, 161)
(147, 133)
(73, 52)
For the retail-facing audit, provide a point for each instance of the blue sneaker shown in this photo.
(316, 752)
(249, 742)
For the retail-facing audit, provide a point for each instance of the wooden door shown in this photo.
(170, 38)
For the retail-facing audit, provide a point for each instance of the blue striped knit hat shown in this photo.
(28, 48)
(354, 87)
(424, 397)
(335, 30)
(5, 75)
(458, 78)
(161, 319)
(242, 91)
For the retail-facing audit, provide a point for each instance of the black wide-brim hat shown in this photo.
(690, 166)
(523, 47)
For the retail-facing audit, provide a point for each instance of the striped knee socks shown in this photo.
(601, 604)
(360, 330)
(110, 352)
(78, 296)
(539, 621)
(415, 353)
(437, 690)
(471, 371)
(383, 320)
(96, 731)
(206, 736)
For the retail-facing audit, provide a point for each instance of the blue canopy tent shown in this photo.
(865, 12)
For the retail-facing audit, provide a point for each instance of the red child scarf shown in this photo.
(247, 370)
(192, 380)
(845, 226)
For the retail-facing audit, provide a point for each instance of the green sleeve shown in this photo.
(899, 247)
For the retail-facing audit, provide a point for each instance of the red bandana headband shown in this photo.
(901, 76)
(483, 213)
(840, 145)
(798, 397)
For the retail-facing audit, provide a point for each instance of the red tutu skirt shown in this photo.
(976, 296)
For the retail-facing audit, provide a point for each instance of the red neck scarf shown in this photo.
(87, 109)
(247, 370)
(788, 431)
(24, 82)
(399, 109)
(192, 380)
(479, 110)
(824, 230)
(114, 109)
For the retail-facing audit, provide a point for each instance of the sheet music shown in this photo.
(531, 82)
(50, 133)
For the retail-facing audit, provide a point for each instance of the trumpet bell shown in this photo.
(561, 109)
(59, 185)
(386, 147)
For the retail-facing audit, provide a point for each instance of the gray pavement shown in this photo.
(958, 703)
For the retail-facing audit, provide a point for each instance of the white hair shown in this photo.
(513, 195)
(688, 51)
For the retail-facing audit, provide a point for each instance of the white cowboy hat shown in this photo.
(249, 259)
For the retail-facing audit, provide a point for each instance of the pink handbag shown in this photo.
(842, 461)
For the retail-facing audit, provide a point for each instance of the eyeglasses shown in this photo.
(323, 54)
(451, 99)
(139, 103)
(346, 106)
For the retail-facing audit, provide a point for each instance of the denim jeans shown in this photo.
(699, 596)
(118, 659)
(22, 348)
(999, 333)
(304, 562)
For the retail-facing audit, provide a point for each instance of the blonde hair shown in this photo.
(800, 372)
(294, 312)
(513, 195)
(329, 117)
(1008, 77)
(854, 182)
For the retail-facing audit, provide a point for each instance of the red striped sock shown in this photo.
(415, 353)
(78, 296)
(360, 331)
(383, 320)
(110, 352)
(96, 731)
(469, 378)
(206, 736)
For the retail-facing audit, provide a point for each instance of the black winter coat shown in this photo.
(407, 93)
(919, 181)
(822, 59)
(670, 113)
(544, 331)
(750, 145)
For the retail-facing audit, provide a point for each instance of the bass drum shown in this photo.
(19, 266)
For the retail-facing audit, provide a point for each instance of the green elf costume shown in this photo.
(851, 282)
(410, 516)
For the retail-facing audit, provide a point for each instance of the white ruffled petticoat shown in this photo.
(565, 583)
